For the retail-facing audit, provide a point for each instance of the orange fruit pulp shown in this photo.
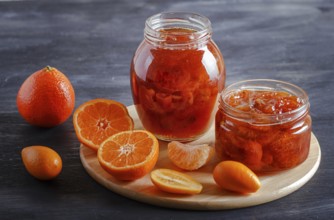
(46, 98)
(96, 120)
(235, 176)
(41, 162)
(175, 182)
(189, 156)
(129, 155)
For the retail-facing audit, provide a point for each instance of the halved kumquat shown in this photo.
(175, 182)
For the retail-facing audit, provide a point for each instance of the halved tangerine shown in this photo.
(96, 120)
(129, 155)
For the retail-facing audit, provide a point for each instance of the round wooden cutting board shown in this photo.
(273, 187)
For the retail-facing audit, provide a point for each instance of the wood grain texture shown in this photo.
(274, 186)
(93, 41)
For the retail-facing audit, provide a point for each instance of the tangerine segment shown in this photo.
(175, 182)
(129, 155)
(188, 156)
(98, 119)
(235, 176)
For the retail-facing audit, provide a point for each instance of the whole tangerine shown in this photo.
(46, 98)
(41, 162)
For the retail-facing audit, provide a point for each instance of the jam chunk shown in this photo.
(263, 102)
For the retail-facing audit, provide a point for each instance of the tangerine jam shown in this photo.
(177, 73)
(264, 124)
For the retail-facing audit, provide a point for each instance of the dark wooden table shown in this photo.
(92, 42)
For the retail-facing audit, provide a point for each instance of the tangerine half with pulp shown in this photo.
(129, 155)
(96, 120)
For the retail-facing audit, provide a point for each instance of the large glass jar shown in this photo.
(264, 124)
(177, 73)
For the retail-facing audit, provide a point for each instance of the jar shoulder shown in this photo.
(145, 49)
(207, 57)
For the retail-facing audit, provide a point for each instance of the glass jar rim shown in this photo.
(265, 85)
(200, 25)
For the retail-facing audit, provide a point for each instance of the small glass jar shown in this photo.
(264, 124)
(177, 73)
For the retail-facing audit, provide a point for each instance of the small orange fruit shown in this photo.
(41, 162)
(175, 182)
(98, 119)
(235, 176)
(188, 156)
(46, 98)
(129, 155)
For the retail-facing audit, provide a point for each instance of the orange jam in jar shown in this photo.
(264, 124)
(177, 73)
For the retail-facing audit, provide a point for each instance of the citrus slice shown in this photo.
(175, 182)
(129, 155)
(98, 119)
(235, 176)
(189, 157)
